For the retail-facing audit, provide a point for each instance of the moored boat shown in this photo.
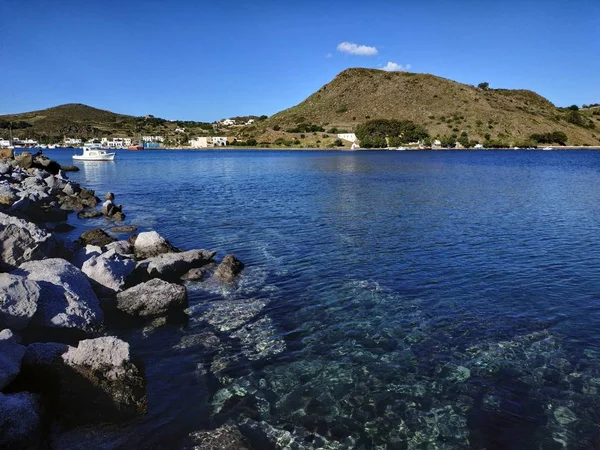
(135, 147)
(94, 152)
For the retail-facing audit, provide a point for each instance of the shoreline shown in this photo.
(65, 303)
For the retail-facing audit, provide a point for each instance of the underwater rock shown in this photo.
(96, 236)
(259, 339)
(227, 315)
(226, 437)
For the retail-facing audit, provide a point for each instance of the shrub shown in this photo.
(338, 143)
(377, 130)
(276, 128)
(485, 85)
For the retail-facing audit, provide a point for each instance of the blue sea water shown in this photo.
(391, 300)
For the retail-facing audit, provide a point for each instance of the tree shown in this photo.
(377, 132)
(276, 128)
(464, 139)
(485, 85)
(573, 108)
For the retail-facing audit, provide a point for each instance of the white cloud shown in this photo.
(355, 49)
(393, 67)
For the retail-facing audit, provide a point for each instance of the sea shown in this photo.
(390, 299)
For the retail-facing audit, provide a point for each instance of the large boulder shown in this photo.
(67, 300)
(22, 241)
(121, 247)
(99, 382)
(154, 298)
(229, 269)
(150, 243)
(108, 271)
(171, 266)
(96, 236)
(85, 253)
(11, 354)
(44, 163)
(19, 299)
(20, 421)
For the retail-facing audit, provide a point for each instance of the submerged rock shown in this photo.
(150, 243)
(229, 268)
(108, 271)
(11, 354)
(152, 299)
(23, 241)
(19, 299)
(19, 421)
(96, 236)
(198, 273)
(88, 214)
(124, 229)
(226, 437)
(67, 300)
(227, 315)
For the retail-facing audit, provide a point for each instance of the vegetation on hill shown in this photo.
(448, 110)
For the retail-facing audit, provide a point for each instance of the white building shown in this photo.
(179, 130)
(227, 122)
(250, 122)
(199, 142)
(72, 141)
(153, 138)
(350, 137)
(218, 141)
(4, 143)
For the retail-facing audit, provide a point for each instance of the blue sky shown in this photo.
(202, 60)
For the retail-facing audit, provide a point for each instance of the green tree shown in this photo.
(485, 85)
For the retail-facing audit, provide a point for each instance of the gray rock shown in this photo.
(8, 194)
(22, 241)
(18, 301)
(11, 354)
(69, 168)
(72, 188)
(150, 243)
(152, 299)
(55, 183)
(109, 196)
(121, 247)
(101, 373)
(20, 421)
(198, 273)
(5, 168)
(171, 266)
(97, 236)
(85, 253)
(108, 271)
(229, 269)
(67, 300)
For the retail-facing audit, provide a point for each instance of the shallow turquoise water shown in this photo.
(391, 299)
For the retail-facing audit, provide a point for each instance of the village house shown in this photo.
(199, 142)
(350, 137)
(72, 141)
(153, 138)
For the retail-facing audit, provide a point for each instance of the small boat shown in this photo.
(547, 148)
(94, 152)
(135, 147)
(401, 148)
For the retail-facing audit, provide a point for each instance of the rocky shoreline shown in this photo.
(58, 367)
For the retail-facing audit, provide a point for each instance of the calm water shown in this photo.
(391, 300)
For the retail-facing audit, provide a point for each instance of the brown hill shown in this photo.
(443, 106)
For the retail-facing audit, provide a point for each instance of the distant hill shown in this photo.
(82, 121)
(443, 106)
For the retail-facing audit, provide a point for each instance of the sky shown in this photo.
(208, 60)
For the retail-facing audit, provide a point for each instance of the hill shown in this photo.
(444, 107)
(82, 121)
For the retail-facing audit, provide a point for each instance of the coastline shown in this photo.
(63, 365)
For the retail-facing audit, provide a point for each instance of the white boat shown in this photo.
(547, 148)
(401, 148)
(94, 152)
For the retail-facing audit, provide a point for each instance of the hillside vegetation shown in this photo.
(444, 107)
(81, 121)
